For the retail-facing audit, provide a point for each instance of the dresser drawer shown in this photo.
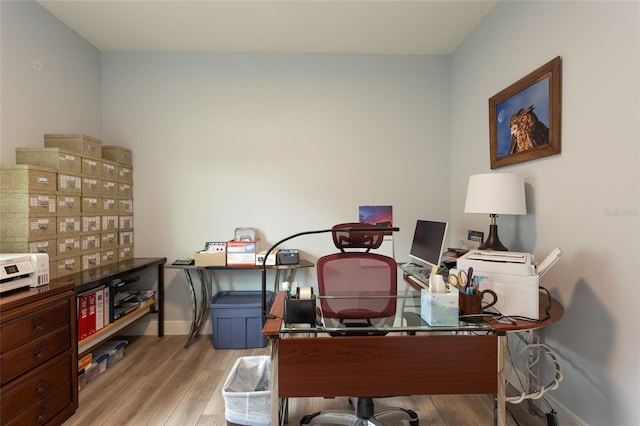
(37, 323)
(33, 353)
(35, 388)
(45, 410)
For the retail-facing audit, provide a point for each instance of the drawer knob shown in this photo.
(38, 352)
(41, 415)
(40, 389)
(37, 325)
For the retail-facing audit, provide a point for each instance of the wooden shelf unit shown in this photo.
(94, 278)
(113, 328)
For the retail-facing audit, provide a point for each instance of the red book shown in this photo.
(91, 318)
(83, 313)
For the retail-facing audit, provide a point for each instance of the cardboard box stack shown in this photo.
(66, 200)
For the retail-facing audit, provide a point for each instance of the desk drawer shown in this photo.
(33, 353)
(35, 388)
(38, 323)
(46, 409)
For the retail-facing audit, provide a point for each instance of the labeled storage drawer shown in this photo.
(69, 226)
(109, 188)
(63, 161)
(108, 240)
(91, 205)
(125, 174)
(109, 206)
(90, 243)
(125, 190)
(18, 227)
(90, 261)
(91, 186)
(108, 257)
(68, 266)
(47, 246)
(69, 184)
(27, 178)
(91, 223)
(28, 204)
(69, 205)
(125, 253)
(109, 223)
(69, 246)
(109, 170)
(91, 167)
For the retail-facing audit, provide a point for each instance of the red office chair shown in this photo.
(359, 280)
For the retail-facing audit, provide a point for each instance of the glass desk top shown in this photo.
(406, 317)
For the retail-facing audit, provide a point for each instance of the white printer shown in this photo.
(19, 270)
(511, 275)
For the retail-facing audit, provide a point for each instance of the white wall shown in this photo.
(50, 79)
(584, 200)
(283, 143)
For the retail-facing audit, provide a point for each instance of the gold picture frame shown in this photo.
(524, 118)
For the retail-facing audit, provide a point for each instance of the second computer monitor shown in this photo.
(428, 243)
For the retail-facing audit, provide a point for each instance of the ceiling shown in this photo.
(293, 26)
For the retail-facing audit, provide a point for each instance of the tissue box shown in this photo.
(439, 308)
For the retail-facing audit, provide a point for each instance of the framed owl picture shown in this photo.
(524, 118)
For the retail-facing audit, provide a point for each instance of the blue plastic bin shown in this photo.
(236, 319)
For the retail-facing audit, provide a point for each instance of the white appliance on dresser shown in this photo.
(19, 270)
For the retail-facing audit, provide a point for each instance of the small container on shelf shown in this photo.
(114, 349)
(97, 367)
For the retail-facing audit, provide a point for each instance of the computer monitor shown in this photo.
(428, 243)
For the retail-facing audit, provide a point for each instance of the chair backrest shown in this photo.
(360, 280)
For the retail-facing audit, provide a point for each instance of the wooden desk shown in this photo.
(207, 276)
(396, 364)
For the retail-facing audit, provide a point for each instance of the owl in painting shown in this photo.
(527, 131)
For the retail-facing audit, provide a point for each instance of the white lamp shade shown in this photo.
(496, 193)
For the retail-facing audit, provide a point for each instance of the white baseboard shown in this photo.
(171, 328)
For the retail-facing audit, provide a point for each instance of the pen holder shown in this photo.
(474, 304)
(300, 311)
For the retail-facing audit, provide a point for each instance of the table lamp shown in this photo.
(495, 194)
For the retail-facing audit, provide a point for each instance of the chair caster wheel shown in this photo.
(305, 420)
(414, 418)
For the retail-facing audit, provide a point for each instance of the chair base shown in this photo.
(364, 416)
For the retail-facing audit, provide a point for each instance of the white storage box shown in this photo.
(247, 392)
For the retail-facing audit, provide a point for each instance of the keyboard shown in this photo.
(417, 273)
(418, 281)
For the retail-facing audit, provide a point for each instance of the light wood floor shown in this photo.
(159, 382)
